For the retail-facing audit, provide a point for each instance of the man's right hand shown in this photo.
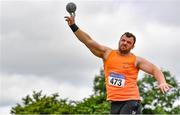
(70, 20)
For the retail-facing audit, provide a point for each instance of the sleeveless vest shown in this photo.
(121, 77)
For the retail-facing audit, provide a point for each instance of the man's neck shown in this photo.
(123, 54)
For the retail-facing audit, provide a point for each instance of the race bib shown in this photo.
(116, 79)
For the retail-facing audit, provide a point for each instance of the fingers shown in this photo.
(162, 90)
(70, 20)
(170, 85)
(70, 17)
(67, 18)
(164, 87)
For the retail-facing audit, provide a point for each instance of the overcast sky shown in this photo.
(39, 51)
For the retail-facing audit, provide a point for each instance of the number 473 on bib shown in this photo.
(116, 80)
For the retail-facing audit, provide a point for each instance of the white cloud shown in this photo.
(15, 87)
(5, 110)
(160, 44)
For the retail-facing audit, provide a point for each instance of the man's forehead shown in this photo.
(127, 38)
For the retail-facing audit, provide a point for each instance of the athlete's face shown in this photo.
(126, 44)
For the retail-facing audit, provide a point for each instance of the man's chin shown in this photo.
(124, 51)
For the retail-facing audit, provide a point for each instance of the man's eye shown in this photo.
(129, 42)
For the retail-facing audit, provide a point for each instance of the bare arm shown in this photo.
(150, 68)
(97, 49)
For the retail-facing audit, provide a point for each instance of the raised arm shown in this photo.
(96, 48)
(150, 68)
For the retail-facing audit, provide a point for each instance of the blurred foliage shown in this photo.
(42, 104)
(153, 101)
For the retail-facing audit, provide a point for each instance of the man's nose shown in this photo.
(125, 42)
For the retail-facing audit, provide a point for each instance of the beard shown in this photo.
(124, 51)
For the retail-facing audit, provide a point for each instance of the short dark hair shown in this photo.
(128, 34)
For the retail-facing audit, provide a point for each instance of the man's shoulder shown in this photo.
(107, 53)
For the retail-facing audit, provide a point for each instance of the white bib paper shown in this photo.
(116, 79)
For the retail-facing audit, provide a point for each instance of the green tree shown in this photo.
(99, 84)
(154, 101)
(42, 104)
(96, 103)
(93, 105)
(39, 104)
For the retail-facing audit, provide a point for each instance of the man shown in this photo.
(121, 70)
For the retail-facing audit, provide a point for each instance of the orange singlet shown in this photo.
(121, 77)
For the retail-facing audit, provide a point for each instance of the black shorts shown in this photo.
(126, 107)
